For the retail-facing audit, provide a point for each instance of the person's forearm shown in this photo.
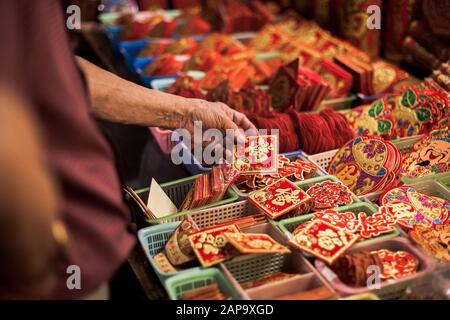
(117, 100)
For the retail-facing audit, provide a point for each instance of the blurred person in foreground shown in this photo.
(60, 201)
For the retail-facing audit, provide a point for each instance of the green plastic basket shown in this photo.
(108, 19)
(339, 103)
(289, 225)
(223, 214)
(195, 279)
(153, 240)
(177, 191)
(406, 144)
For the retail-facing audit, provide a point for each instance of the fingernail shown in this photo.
(240, 137)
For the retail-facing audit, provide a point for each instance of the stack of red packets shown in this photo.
(139, 28)
(187, 87)
(297, 86)
(352, 268)
(178, 252)
(371, 78)
(249, 99)
(360, 70)
(259, 155)
(328, 195)
(337, 78)
(212, 50)
(209, 188)
(339, 63)
(210, 292)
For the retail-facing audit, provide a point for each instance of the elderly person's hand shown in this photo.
(216, 115)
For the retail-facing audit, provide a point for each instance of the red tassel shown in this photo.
(313, 133)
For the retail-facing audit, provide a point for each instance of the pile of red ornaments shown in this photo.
(329, 195)
(352, 268)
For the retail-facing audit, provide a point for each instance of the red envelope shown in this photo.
(259, 154)
(323, 240)
(279, 198)
(248, 243)
(211, 245)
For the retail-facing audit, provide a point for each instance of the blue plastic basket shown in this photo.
(153, 239)
(130, 50)
(141, 64)
(113, 35)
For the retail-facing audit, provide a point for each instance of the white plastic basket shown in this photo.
(214, 216)
(323, 159)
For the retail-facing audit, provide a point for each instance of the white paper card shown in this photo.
(158, 201)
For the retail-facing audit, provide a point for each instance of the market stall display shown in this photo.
(298, 233)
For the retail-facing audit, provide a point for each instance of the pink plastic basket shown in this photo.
(162, 137)
(389, 289)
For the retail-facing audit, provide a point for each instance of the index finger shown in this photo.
(243, 122)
